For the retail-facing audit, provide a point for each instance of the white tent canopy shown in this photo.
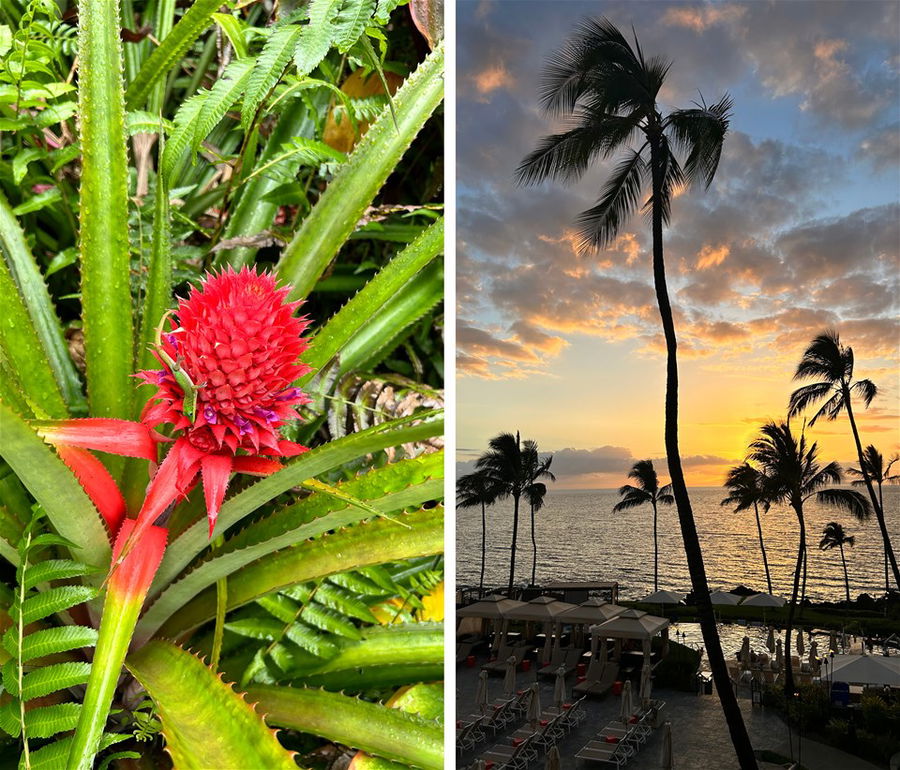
(724, 598)
(763, 600)
(493, 606)
(542, 609)
(866, 669)
(591, 611)
(631, 624)
(663, 597)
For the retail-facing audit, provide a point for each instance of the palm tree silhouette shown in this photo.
(535, 468)
(607, 90)
(835, 537)
(745, 488)
(792, 474)
(880, 475)
(826, 358)
(502, 466)
(646, 491)
(472, 490)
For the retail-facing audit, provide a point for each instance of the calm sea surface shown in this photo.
(580, 538)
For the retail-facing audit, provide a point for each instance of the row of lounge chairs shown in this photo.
(530, 742)
(617, 743)
(598, 684)
(474, 728)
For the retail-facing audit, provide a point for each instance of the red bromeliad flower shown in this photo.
(224, 387)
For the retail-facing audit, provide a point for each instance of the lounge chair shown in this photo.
(470, 734)
(599, 686)
(546, 734)
(512, 755)
(616, 754)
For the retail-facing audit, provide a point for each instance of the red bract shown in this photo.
(235, 351)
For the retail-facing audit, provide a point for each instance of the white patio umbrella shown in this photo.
(744, 655)
(663, 597)
(801, 646)
(770, 641)
(534, 705)
(779, 655)
(646, 683)
(867, 669)
(845, 642)
(548, 644)
(559, 687)
(668, 757)
(724, 598)
(509, 680)
(552, 759)
(832, 642)
(763, 600)
(626, 707)
(481, 694)
(479, 765)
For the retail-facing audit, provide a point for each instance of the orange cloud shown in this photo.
(712, 256)
(490, 79)
(701, 18)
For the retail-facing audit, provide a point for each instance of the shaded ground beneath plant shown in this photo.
(699, 734)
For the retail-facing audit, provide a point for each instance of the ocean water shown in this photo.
(580, 538)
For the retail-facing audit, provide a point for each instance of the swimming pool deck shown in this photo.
(700, 736)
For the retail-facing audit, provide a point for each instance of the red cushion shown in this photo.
(517, 741)
(611, 739)
(488, 765)
(581, 679)
(567, 705)
(458, 723)
(545, 722)
(633, 721)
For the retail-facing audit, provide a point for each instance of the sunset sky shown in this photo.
(799, 232)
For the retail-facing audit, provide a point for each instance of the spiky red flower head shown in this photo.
(238, 342)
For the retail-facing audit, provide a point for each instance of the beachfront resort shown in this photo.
(570, 678)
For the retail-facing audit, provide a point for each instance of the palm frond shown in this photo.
(599, 225)
(700, 133)
(848, 500)
(808, 394)
(632, 498)
(824, 357)
(866, 389)
(831, 409)
(672, 180)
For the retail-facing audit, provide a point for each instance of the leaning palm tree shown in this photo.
(472, 490)
(833, 536)
(502, 466)
(745, 486)
(792, 475)
(646, 491)
(607, 91)
(880, 474)
(535, 468)
(827, 360)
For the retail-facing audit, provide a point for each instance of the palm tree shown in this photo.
(472, 490)
(646, 491)
(745, 488)
(835, 537)
(607, 90)
(535, 468)
(792, 474)
(880, 475)
(826, 358)
(502, 466)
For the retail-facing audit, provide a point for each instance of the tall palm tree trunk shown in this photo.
(801, 555)
(762, 547)
(512, 550)
(483, 549)
(803, 584)
(534, 548)
(655, 551)
(846, 578)
(879, 510)
(733, 717)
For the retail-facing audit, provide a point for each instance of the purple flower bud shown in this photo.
(161, 376)
(267, 414)
(289, 394)
(209, 414)
(244, 426)
(172, 340)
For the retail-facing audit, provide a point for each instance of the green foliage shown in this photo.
(224, 115)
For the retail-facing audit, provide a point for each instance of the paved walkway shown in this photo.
(700, 736)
